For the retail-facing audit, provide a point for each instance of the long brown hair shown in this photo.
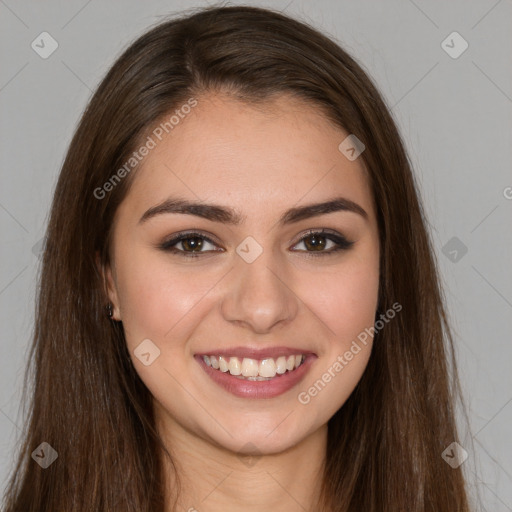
(87, 401)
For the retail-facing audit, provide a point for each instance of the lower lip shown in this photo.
(258, 389)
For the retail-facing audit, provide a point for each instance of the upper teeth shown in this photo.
(267, 367)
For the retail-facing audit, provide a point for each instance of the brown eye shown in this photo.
(192, 244)
(318, 241)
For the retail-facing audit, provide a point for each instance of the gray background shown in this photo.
(455, 116)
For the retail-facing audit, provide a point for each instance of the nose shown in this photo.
(259, 295)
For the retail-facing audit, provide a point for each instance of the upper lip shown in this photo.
(256, 353)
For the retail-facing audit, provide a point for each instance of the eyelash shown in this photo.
(343, 243)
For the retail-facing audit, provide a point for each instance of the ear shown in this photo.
(109, 286)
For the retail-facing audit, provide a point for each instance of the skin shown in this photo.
(260, 161)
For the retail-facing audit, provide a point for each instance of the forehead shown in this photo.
(270, 156)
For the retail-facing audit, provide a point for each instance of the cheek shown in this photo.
(347, 306)
(153, 296)
(346, 298)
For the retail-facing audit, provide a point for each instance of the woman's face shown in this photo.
(262, 289)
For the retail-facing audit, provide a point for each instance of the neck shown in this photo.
(212, 478)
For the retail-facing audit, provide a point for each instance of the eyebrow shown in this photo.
(227, 215)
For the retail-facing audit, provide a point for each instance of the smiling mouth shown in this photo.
(255, 369)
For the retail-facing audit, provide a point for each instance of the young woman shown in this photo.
(239, 307)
